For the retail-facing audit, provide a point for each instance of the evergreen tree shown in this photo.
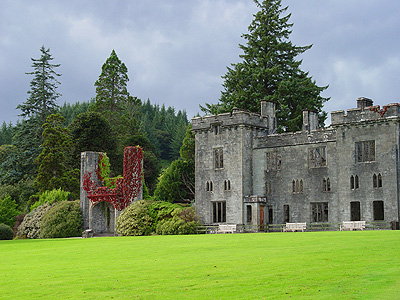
(6, 132)
(20, 164)
(52, 160)
(269, 70)
(176, 184)
(43, 93)
(114, 102)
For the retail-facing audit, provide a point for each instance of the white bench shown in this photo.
(295, 226)
(226, 228)
(352, 225)
(88, 233)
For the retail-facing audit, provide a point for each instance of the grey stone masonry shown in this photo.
(246, 173)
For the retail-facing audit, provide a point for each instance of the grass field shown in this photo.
(309, 265)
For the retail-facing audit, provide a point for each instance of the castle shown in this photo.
(246, 173)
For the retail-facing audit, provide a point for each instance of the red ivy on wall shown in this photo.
(127, 188)
(377, 109)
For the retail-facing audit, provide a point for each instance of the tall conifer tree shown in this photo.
(269, 70)
(43, 93)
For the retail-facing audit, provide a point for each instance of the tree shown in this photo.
(269, 70)
(8, 211)
(176, 184)
(113, 100)
(90, 131)
(20, 164)
(53, 172)
(43, 92)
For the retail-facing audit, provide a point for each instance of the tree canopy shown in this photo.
(270, 70)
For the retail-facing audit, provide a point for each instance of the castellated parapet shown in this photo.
(371, 113)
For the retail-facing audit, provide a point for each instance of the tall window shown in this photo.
(378, 211)
(274, 161)
(297, 186)
(377, 181)
(365, 151)
(355, 211)
(249, 214)
(354, 183)
(219, 212)
(319, 212)
(317, 157)
(227, 185)
(217, 129)
(219, 158)
(286, 215)
(209, 186)
(326, 185)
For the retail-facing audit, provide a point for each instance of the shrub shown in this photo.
(6, 233)
(52, 196)
(62, 220)
(30, 226)
(183, 221)
(8, 211)
(135, 219)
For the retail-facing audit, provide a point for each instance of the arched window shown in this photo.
(211, 186)
(356, 184)
(374, 181)
(324, 185)
(301, 186)
(207, 186)
(328, 185)
(297, 186)
(293, 186)
(379, 180)
(352, 182)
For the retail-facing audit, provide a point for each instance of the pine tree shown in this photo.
(269, 70)
(43, 92)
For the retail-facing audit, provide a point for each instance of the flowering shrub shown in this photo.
(30, 226)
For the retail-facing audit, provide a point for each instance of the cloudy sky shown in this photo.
(177, 50)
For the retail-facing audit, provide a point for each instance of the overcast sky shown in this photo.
(177, 50)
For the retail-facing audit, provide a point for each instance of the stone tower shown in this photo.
(223, 158)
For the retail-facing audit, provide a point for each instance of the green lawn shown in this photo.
(309, 265)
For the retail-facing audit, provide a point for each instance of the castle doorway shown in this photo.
(355, 212)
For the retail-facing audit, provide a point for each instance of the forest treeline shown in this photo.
(41, 152)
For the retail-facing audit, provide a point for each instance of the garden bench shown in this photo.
(352, 225)
(295, 226)
(227, 228)
(88, 233)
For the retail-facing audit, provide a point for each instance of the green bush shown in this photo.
(145, 217)
(8, 211)
(183, 221)
(30, 226)
(63, 220)
(6, 233)
(52, 196)
(136, 219)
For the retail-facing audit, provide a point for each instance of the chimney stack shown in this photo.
(363, 102)
(268, 111)
(310, 120)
